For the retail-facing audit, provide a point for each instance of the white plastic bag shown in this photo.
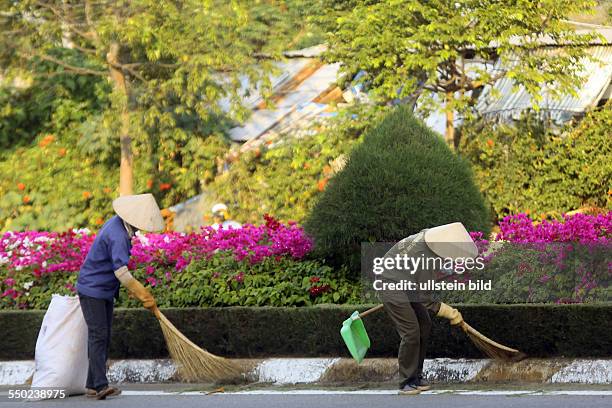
(61, 348)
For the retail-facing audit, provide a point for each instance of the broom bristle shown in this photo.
(193, 363)
(491, 348)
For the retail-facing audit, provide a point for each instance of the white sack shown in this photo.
(61, 349)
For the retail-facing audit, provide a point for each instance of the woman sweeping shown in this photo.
(410, 311)
(103, 271)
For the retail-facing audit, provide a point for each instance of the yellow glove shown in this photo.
(141, 293)
(450, 313)
(136, 288)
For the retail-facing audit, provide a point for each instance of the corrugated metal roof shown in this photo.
(306, 91)
(512, 102)
(252, 97)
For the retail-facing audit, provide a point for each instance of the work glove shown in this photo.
(136, 288)
(450, 313)
(141, 293)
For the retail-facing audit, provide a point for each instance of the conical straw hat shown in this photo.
(451, 241)
(140, 211)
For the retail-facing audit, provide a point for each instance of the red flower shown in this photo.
(21, 186)
(165, 186)
(271, 222)
(314, 279)
(317, 290)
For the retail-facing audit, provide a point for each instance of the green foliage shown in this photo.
(401, 179)
(174, 69)
(61, 150)
(180, 61)
(219, 281)
(27, 109)
(411, 48)
(528, 168)
(222, 281)
(286, 179)
(48, 183)
(168, 51)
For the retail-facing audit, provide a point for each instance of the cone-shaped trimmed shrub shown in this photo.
(401, 179)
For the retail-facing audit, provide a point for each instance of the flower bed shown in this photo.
(210, 267)
(564, 261)
(559, 261)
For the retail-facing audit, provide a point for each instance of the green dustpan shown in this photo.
(355, 337)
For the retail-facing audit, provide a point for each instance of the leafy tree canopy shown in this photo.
(416, 48)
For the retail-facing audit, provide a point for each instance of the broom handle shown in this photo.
(371, 310)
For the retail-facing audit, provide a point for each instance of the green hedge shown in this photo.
(538, 330)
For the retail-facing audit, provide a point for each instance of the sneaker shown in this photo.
(409, 389)
(90, 393)
(107, 392)
(422, 384)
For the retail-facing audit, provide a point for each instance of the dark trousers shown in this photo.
(98, 315)
(413, 324)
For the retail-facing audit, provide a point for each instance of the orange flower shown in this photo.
(46, 140)
(26, 199)
(61, 152)
(327, 170)
(107, 190)
(322, 183)
(165, 186)
(21, 186)
(149, 183)
(99, 221)
(306, 166)
(490, 142)
(86, 195)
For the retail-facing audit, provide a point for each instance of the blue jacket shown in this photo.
(109, 252)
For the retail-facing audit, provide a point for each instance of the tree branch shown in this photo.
(129, 69)
(69, 67)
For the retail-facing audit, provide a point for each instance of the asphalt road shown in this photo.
(330, 400)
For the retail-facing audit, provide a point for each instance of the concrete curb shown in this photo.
(329, 371)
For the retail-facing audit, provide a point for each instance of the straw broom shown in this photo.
(490, 347)
(194, 363)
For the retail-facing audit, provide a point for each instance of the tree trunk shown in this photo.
(126, 173)
(449, 136)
